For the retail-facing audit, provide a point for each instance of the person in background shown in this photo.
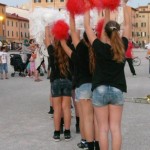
(1, 71)
(32, 64)
(109, 81)
(4, 61)
(129, 57)
(148, 57)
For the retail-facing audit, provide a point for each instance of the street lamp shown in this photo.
(1, 18)
(3, 27)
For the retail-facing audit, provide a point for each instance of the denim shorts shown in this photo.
(83, 92)
(61, 87)
(4, 67)
(105, 95)
(1, 68)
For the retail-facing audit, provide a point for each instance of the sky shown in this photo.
(133, 3)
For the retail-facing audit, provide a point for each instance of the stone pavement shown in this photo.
(26, 125)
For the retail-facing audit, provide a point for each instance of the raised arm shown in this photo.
(74, 34)
(106, 19)
(90, 33)
(66, 48)
(48, 36)
(127, 20)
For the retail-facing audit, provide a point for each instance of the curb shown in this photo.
(142, 100)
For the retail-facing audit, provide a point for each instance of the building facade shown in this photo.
(2, 22)
(17, 29)
(141, 26)
(49, 3)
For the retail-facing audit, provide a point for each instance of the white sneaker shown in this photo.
(134, 76)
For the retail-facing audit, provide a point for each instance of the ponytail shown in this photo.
(117, 46)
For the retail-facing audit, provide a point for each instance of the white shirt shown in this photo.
(4, 57)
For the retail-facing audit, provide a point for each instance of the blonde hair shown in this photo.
(112, 29)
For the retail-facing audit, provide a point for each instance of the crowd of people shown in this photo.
(93, 68)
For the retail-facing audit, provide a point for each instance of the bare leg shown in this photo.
(87, 111)
(57, 105)
(115, 113)
(66, 103)
(102, 117)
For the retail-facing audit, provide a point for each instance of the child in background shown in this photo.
(1, 64)
(4, 60)
(32, 64)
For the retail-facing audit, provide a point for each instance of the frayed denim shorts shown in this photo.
(83, 92)
(61, 87)
(105, 95)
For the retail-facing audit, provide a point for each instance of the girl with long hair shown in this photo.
(109, 82)
(61, 85)
(83, 59)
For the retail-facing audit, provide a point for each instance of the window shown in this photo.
(48, 1)
(136, 24)
(24, 25)
(21, 34)
(12, 33)
(61, 0)
(8, 33)
(132, 33)
(7, 22)
(37, 1)
(143, 34)
(21, 25)
(16, 24)
(16, 34)
(137, 33)
(141, 24)
(12, 23)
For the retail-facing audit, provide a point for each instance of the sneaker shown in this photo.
(51, 111)
(67, 135)
(134, 75)
(61, 129)
(56, 136)
(83, 144)
(77, 128)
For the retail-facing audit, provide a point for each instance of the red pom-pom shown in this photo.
(96, 3)
(99, 28)
(60, 30)
(111, 4)
(75, 6)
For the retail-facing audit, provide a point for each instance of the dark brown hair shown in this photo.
(91, 53)
(111, 29)
(61, 57)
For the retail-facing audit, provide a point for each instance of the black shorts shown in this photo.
(61, 87)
